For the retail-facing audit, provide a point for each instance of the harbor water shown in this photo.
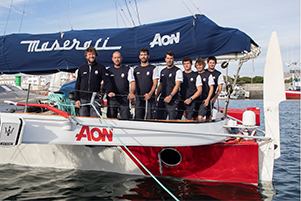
(28, 183)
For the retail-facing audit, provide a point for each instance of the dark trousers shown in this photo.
(167, 109)
(118, 105)
(205, 111)
(188, 109)
(88, 110)
(140, 108)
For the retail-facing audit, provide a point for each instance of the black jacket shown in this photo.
(89, 81)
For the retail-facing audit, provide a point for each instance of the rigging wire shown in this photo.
(121, 9)
(116, 14)
(58, 21)
(131, 7)
(70, 5)
(122, 18)
(11, 4)
(196, 7)
(129, 12)
(137, 11)
(22, 16)
(188, 8)
(67, 15)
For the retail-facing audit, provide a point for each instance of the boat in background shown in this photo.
(238, 93)
(294, 92)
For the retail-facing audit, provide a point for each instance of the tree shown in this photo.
(246, 80)
(239, 80)
(258, 79)
(290, 80)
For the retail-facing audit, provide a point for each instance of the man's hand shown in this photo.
(147, 96)
(206, 102)
(111, 94)
(187, 101)
(167, 99)
(77, 104)
(131, 96)
(213, 100)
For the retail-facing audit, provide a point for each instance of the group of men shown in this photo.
(187, 93)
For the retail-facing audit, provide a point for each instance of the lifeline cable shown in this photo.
(172, 195)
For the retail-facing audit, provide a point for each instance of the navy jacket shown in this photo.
(89, 81)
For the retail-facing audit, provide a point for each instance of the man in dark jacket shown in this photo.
(89, 78)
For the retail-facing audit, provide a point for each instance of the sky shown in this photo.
(257, 18)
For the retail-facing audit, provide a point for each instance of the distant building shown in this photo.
(288, 75)
(39, 82)
(7, 80)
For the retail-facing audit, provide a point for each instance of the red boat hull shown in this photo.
(232, 161)
(292, 94)
(238, 113)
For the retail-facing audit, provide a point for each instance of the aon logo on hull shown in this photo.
(95, 134)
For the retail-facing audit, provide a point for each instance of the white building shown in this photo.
(8, 80)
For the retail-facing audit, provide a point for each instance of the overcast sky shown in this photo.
(257, 18)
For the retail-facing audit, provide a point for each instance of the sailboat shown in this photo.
(223, 150)
(294, 92)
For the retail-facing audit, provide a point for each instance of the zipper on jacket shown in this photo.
(89, 77)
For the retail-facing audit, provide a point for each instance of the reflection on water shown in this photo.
(44, 183)
(192, 190)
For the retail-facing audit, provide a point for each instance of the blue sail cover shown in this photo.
(189, 36)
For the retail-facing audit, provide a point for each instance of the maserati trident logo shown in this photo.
(9, 130)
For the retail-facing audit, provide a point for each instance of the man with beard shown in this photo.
(170, 81)
(89, 78)
(122, 78)
(146, 77)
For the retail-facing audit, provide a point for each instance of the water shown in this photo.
(24, 183)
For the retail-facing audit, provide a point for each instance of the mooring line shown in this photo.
(172, 195)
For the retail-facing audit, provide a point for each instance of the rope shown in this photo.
(172, 195)
(63, 103)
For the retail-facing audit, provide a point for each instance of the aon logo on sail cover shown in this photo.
(165, 40)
